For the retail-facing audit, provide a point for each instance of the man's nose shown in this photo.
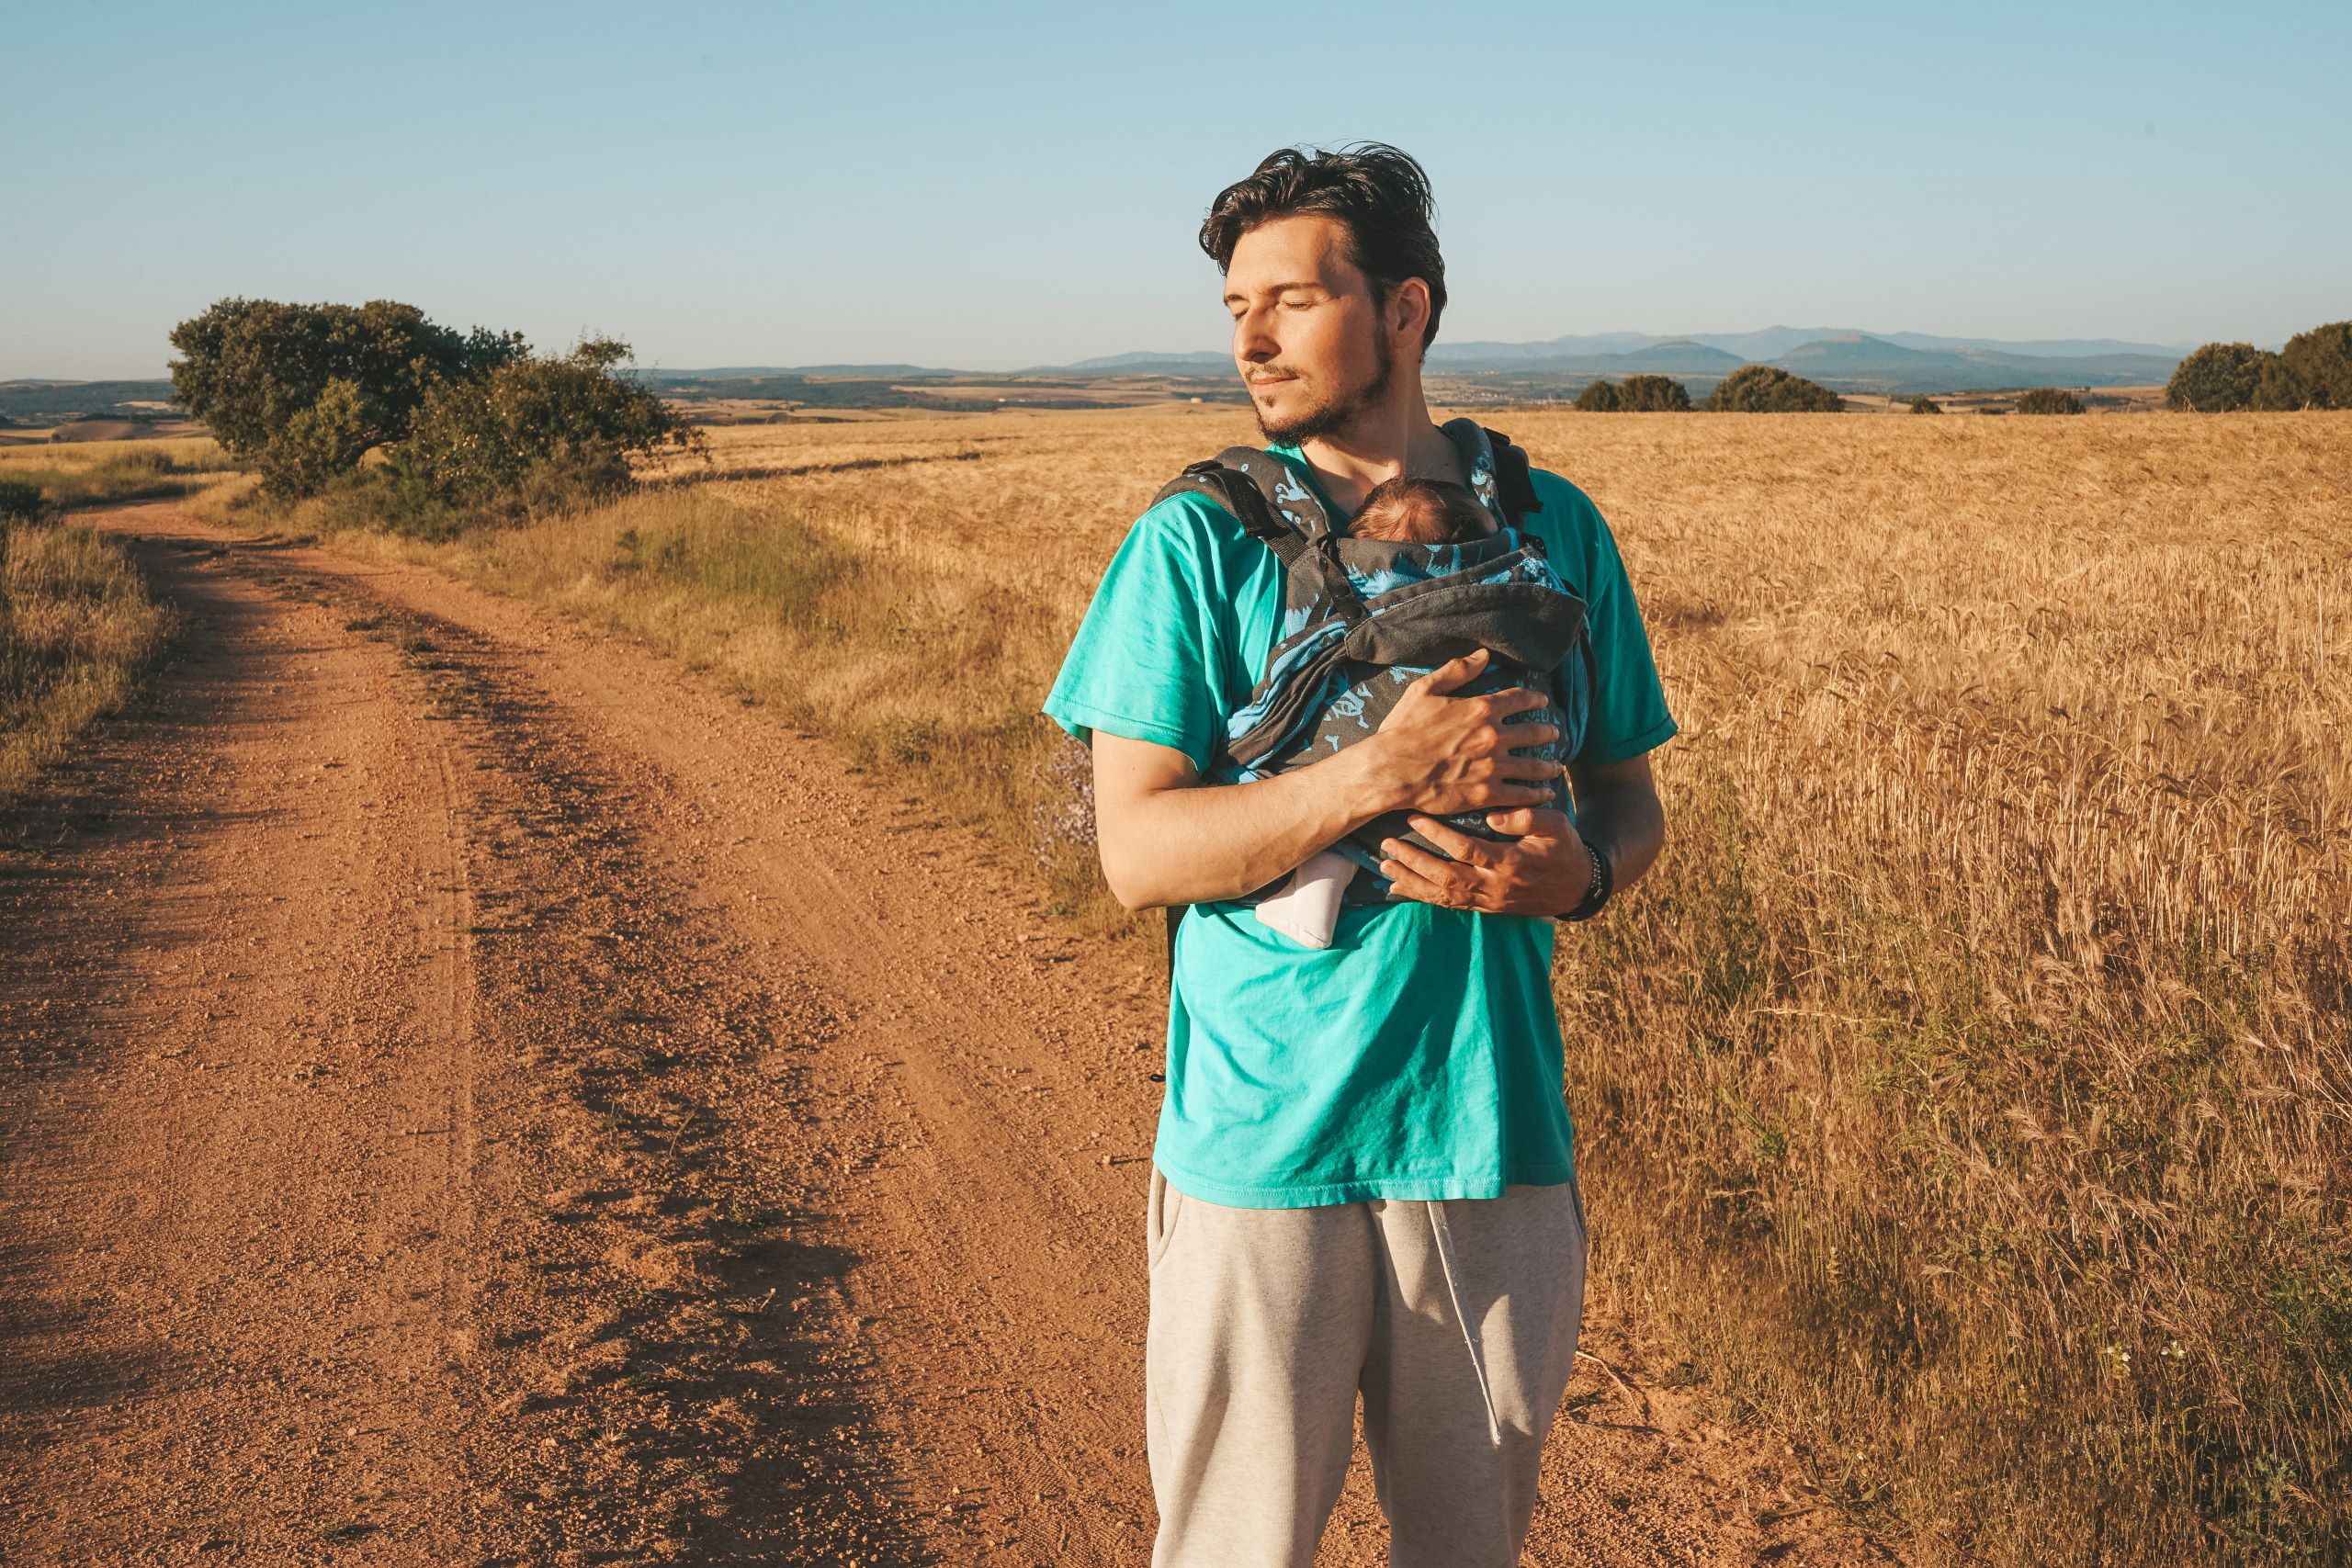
(1253, 343)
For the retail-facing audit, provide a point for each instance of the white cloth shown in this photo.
(1307, 907)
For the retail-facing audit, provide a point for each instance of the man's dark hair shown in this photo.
(1378, 193)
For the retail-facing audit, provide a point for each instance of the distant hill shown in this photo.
(45, 403)
(1843, 358)
(1164, 363)
(792, 372)
(1858, 361)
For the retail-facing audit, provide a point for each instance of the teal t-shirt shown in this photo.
(1418, 1057)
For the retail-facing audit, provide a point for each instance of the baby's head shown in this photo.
(1410, 511)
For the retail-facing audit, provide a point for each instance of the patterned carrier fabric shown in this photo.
(1337, 671)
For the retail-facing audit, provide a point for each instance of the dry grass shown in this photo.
(77, 628)
(1968, 1090)
(97, 473)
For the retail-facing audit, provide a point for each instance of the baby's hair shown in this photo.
(1416, 511)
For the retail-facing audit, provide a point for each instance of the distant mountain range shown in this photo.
(1843, 358)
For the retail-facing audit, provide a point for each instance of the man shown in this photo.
(1363, 1181)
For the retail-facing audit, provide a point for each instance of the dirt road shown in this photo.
(472, 1093)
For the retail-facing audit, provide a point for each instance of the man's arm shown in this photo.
(1165, 839)
(1545, 870)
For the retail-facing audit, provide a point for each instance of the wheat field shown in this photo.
(1966, 1093)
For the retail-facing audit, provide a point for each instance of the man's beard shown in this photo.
(1340, 412)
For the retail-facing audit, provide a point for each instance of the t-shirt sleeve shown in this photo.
(1629, 714)
(1147, 663)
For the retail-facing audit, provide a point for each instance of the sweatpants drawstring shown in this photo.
(1445, 1237)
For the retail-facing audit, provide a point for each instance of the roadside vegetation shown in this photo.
(1966, 1095)
(77, 629)
(463, 429)
(106, 472)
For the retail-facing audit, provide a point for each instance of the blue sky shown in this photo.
(1003, 185)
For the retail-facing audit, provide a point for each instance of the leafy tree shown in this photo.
(1768, 389)
(535, 435)
(250, 369)
(1598, 397)
(1652, 394)
(2313, 371)
(1925, 405)
(2048, 400)
(2217, 377)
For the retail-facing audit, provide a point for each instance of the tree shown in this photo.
(2217, 377)
(2313, 371)
(534, 434)
(1768, 389)
(1925, 405)
(249, 368)
(1598, 397)
(1652, 394)
(2048, 400)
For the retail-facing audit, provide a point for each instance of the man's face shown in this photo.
(1306, 335)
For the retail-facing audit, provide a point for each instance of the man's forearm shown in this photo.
(1202, 843)
(1626, 819)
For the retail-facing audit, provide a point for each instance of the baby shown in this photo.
(1403, 511)
(1412, 510)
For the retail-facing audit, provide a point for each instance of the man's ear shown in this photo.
(1409, 307)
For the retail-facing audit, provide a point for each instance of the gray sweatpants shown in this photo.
(1456, 1320)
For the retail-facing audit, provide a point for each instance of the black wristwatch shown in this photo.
(1597, 894)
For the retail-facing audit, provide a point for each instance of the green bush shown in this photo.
(2313, 371)
(1652, 394)
(256, 371)
(2217, 377)
(1925, 405)
(320, 444)
(2048, 400)
(1768, 389)
(534, 436)
(1599, 396)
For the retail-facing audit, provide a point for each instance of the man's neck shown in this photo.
(1399, 439)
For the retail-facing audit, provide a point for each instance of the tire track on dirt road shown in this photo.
(807, 1193)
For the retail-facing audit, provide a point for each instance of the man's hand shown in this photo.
(1438, 752)
(1544, 871)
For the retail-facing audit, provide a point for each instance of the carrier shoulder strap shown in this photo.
(1294, 527)
(1514, 487)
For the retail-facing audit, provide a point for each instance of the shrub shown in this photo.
(534, 436)
(2048, 400)
(1925, 405)
(1652, 394)
(320, 444)
(2313, 371)
(1768, 389)
(1599, 396)
(253, 369)
(2217, 377)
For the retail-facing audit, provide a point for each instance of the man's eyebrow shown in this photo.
(1233, 294)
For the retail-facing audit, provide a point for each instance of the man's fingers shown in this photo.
(1406, 882)
(1454, 672)
(1464, 849)
(1513, 699)
(1524, 821)
(1432, 867)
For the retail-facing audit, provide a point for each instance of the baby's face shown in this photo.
(1407, 511)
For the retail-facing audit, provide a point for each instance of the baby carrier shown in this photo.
(1363, 618)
